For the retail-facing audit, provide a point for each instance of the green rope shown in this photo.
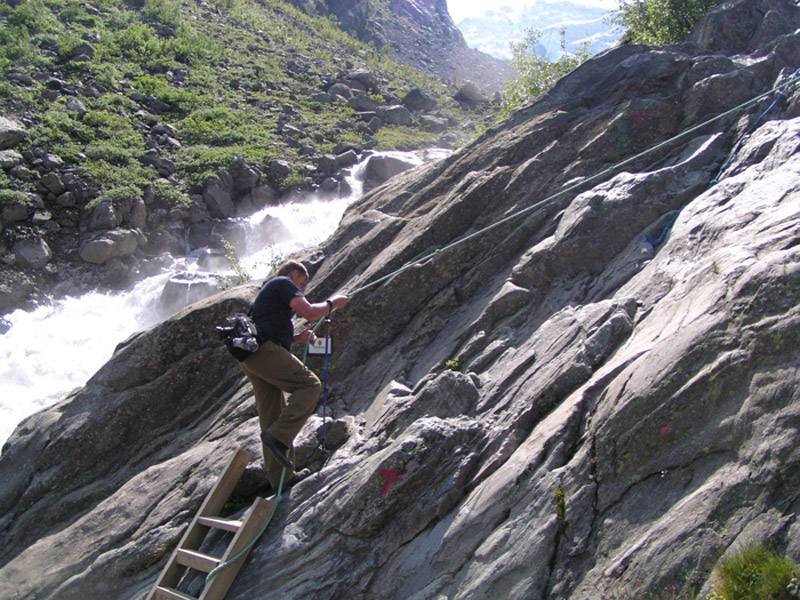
(250, 544)
(608, 171)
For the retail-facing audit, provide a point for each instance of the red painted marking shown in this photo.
(663, 433)
(390, 477)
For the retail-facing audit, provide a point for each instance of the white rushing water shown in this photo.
(54, 349)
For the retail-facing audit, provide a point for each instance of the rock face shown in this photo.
(421, 33)
(595, 398)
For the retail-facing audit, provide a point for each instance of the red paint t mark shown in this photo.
(639, 116)
(664, 433)
(390, 476)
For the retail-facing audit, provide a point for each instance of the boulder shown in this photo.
(434, 124)
(118, 243)
(470, 94)
(360, 102)
(395, 114)
(53, 183)
(280, 169)
(183, 289)
(381, 167)
(17, 288)
(341, 89)
(256, 199)
(346, 159)
(32, 253)
(104, 215)
(419, 100)
(163, 165)
(76, 106)
(16, 206)
(365, 77)
(9, 159)
(11, 133)
(217, 196)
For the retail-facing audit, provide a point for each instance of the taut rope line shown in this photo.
(777, 89)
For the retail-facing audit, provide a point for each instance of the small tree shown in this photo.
(659, 22)
(535, 72)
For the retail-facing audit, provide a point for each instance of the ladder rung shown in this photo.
(165, 593)
(196, 560)
(218, 523)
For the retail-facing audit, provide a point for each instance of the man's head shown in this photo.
(295, 271)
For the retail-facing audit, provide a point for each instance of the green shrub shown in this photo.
(108, 152)
(76, 14)
(66, 44)
(659, 22)
(34, 16)
(536, 74)
(17, 48)
(453, 364)
(166, 194)
(756, 573)
(215, 126)
(61, 127)
(180, 100)
(162, 12)
(198, 162)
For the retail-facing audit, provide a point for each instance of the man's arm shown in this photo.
(314, 312)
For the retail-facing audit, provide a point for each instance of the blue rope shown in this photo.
(779, 92)
(325, 380)
(739, 143)
(664, 232)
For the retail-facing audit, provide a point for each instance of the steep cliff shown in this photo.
(595, 398)
(420, 33)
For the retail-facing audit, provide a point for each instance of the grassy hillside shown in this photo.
(90, 80)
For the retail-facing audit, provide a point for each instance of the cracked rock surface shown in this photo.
(594, 400)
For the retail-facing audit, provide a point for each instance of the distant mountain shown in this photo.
(419, 33)
(493, 32)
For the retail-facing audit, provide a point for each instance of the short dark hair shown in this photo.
(290, 266)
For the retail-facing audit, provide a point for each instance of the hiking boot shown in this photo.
(277, 449)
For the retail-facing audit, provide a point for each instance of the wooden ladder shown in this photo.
(186, 555)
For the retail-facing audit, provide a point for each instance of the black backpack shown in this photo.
(240, 336)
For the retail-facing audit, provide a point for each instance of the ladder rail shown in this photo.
(257, 515)
(206, 517)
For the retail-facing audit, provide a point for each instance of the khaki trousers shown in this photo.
(273, 370)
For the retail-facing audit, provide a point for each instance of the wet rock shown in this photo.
(380, 168)
(118, 243)
(217, 197)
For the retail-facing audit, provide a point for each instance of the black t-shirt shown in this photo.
(272, 313)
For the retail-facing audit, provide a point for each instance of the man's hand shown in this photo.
(307, 335)
(339, 301)
(314, 312)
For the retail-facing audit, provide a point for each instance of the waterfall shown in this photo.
(54, 349)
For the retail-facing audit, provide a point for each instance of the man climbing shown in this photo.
(273, 369)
